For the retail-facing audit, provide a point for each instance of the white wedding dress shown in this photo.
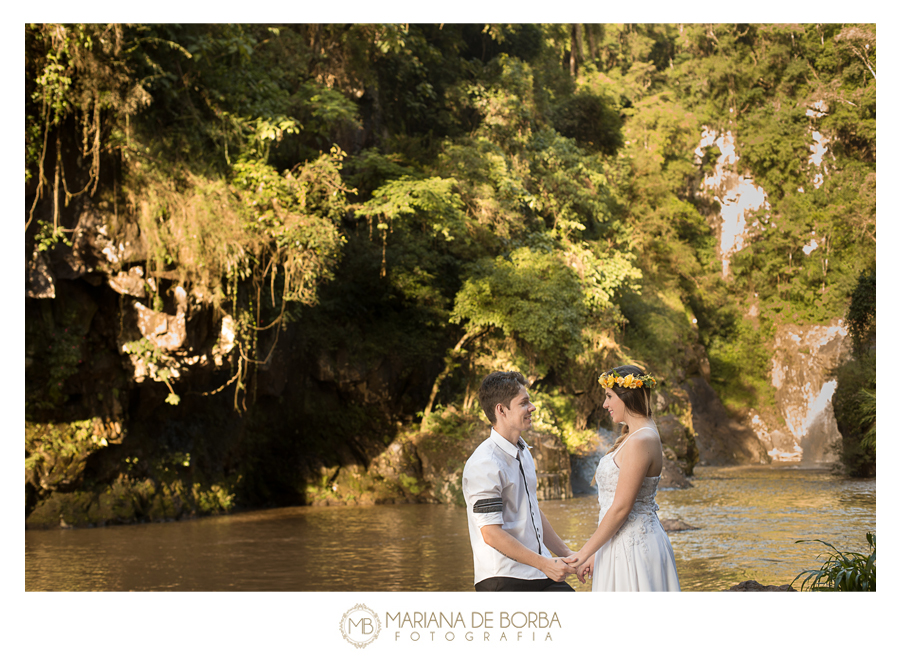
(639, 557)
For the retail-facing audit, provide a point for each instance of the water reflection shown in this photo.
(748, 520)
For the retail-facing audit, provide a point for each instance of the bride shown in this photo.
(633, 553)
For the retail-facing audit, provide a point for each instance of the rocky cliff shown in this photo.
(133, 408)
(802, 361)
(801, 427)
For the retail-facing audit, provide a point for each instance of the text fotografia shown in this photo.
(479, 626)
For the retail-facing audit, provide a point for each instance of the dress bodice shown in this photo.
(607, 477)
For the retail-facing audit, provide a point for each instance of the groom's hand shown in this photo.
(556, 569)
(581, 566)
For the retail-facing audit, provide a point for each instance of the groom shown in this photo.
(509, 533)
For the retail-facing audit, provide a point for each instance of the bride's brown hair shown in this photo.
(637, 400)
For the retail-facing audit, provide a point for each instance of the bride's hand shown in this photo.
(585, 569)
(575, 559)
(581, 564)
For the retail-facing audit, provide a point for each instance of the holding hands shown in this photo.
(556, 569)
(582, 565)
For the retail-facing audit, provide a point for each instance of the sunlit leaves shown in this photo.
(431, 202)
(530, 295)
(492, 185)
(603, 275)
(505, 101)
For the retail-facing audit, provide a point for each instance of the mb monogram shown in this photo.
(360, 626)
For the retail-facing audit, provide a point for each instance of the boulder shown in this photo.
(675, 525)
(40, 282)
(428, 465)
(165, 331)
(680, 439)
(129, 283)
(753, 586)
(673, 477)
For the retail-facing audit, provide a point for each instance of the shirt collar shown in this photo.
(506, 446)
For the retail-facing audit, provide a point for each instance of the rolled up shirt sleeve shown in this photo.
(482, 493)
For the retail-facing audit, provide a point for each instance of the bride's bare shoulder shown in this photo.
(645, 433)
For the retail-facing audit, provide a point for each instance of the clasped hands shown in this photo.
(560, 567)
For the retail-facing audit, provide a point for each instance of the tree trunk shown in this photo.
(450, 362)
(575, 54)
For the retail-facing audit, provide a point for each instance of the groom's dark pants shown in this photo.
(507, 584)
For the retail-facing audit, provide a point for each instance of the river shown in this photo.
(747, 518)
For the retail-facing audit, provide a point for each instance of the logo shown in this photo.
(360, 626)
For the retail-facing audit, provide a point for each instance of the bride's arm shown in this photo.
(634, 460)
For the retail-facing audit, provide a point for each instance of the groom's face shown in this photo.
(518, 414)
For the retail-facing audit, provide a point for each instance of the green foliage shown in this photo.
(739, 360)
(557, 414)
(504, 100)
(48, 236)
(861, 314)
(854, 411)
(492, 187)
(604, 275)
(148, 352)
(58, 350)
(411, 484)
(591, 121)
(571, 192)
(530, 295)
(477, 196)
(658, 328)
(430, 202)
(49, 444)
(867, 416)
(842, 571)
(56, 455)
(216, 499)
(854, 399)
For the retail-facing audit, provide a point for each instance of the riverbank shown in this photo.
(422, 464)
(746, 521)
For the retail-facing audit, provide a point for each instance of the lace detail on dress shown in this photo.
(639, 557)
(642, 518)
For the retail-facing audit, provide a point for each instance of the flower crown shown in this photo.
(628, 381)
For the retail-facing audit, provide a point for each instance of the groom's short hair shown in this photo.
(499, 388)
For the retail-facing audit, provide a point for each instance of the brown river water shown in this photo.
(748, 520)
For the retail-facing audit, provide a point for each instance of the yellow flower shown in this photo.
(619, 380)
(638, 383)
(627, 381)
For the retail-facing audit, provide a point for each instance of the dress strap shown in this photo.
(631, 434)
(645, 427)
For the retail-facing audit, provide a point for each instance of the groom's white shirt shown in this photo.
(497, 494)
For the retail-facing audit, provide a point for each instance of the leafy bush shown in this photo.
(530, 295)
(854, 402)
(841, 572)
(590, 121)
(861, 314)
